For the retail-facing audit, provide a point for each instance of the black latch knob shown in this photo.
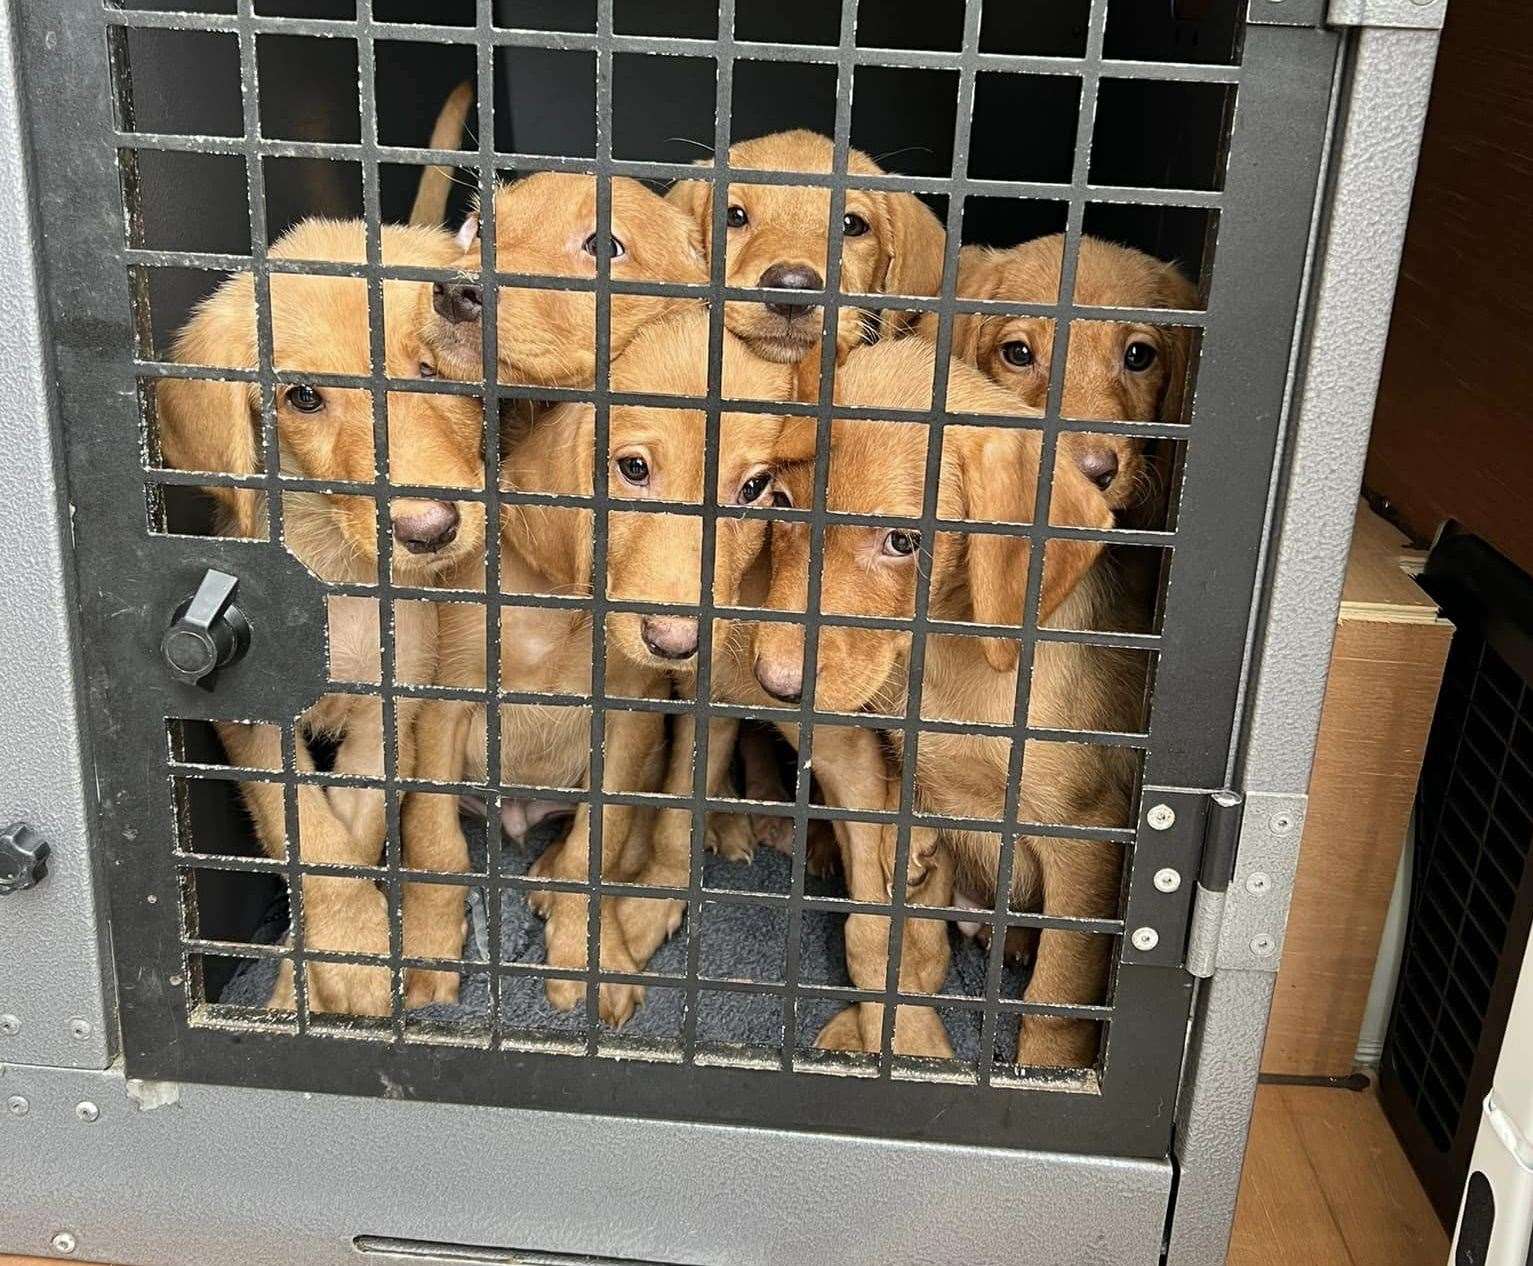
(23, 859)
(207, 632)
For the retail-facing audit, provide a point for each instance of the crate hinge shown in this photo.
(1221, 841)
(1418, 15)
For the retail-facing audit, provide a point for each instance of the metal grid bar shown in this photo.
(910, 730)
(372, 215)
(484, 68)
(702, 692)
(255, 184)
(526, 164)
(830, 316)
(1096, 31)
(599, 523)
(610, 42)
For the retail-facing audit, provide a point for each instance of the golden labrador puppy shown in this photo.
(545, 225)
(988, 475)
(321, 325)
(1130, 371)
(890, 243)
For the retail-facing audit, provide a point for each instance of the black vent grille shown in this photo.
(1472, 887)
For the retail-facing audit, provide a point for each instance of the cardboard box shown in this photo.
(1386, 668)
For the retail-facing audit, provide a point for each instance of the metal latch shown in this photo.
(207, 631)
(23, 858)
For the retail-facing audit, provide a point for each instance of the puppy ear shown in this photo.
(554, 456)
(1175, 291)
(978, 278)
(694, 198)
(212, 425)
(796, 441)
(914, 243)
(999, 478)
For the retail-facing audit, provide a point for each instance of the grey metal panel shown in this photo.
(245, 1176)
(51, 944)
(1352, 296)
(1229, 1026)
(1421, 14)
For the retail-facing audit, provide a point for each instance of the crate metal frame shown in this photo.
(1076, 1205)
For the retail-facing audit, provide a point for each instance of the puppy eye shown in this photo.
(305, 398)
(736, 218)
(1138, 356)
(853, 225)
(634, 470)
(1017, 353)
(752, 490)
(589, 247)
(427, 369)
(901, 542)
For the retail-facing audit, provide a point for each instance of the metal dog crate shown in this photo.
(1267, 144)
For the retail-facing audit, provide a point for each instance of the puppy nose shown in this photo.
(423, 527)
(781, 681)
(1100, 465)
(670, 637)
(457, 301)
(790, 277)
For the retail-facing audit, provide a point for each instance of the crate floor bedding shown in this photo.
(738, 941)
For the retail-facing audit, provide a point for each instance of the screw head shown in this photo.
(1282, 823)
(1145, 939)
(1161, 817)
(79, 1029)
(18, 1106)
(9, 1025)
(87, 1111)
(1259, 882)
(63, 1242)
(1263, 946)
(1168, 879)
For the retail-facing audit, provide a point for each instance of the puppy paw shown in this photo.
(842, 1032)
(425, 987)
(774, 832)
(616, 1003)
(565, 995)
(729, 835)
(542, 899)
(824, 856)
(1047, 1042)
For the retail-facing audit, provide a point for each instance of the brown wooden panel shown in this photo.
(1454, 422)
(1373, 729)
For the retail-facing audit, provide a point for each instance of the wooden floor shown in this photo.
(1325, 1185)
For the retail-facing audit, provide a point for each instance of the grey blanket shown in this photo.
(737, 941)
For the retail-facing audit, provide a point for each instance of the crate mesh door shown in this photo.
(692, 364)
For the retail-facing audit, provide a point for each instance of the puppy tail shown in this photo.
(436, 182)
